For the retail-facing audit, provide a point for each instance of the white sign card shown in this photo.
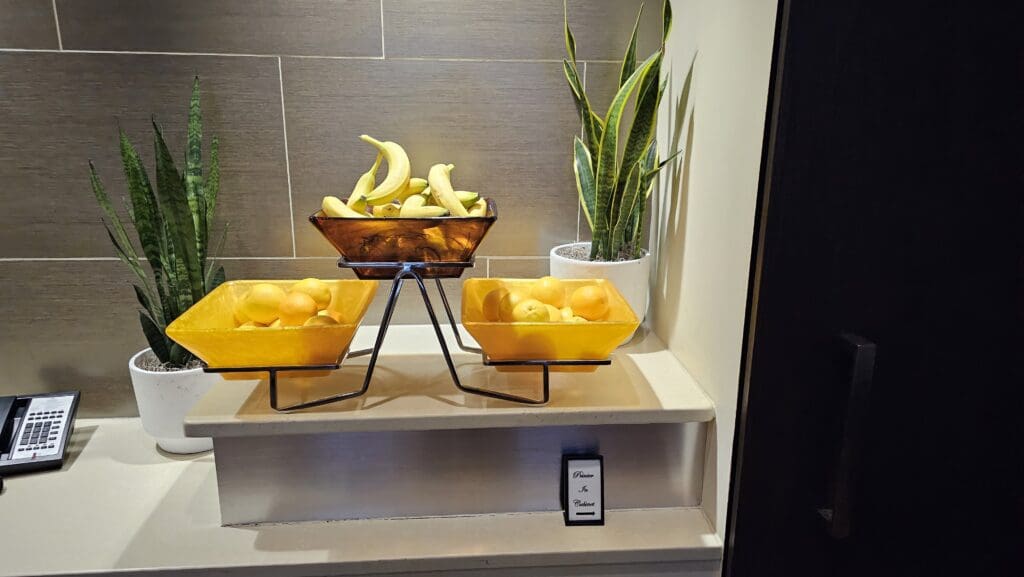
(583, 490)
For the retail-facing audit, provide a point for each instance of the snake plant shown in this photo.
(172, 222)
(614, 189)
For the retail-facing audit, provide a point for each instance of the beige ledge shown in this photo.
(120, 507)
(412, 390)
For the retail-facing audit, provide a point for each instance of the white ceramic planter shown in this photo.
(164, 398)
(631, 277)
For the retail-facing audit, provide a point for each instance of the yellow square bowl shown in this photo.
(507, 341)
(208, 330)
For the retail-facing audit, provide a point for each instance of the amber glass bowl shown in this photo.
(440, 240)
(506, 341)
(208, 330)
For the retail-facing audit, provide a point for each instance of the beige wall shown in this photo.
(706, 208)
(287, 86)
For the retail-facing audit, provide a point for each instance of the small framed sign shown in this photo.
(583, 489)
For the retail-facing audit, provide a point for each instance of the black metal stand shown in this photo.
(412, 270)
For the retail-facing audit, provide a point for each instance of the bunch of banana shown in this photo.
(400, 195)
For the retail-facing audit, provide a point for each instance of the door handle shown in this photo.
(837, 512)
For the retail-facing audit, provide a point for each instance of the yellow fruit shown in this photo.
(296, 308)
(262, 303)
(549, 290)
(509, 302)
(249, 325)
(240, 316)
(577, 320)
(439, 178)
(276, 324)
(492, 304)
(398, 172)
(590, 302)
(531, 311)
(318, 289)
(567, 313)
(334, 208)
(320, 321)
(554, 314)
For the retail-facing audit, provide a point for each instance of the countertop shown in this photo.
(121, 506)
(412, 390)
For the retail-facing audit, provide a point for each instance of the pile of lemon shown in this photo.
(268, 305)
(546, 300)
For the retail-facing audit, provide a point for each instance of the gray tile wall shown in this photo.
(288, 87)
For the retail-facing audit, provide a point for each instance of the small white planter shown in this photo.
(164, 399)
(631, 277)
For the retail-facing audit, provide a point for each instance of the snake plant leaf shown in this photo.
(146, 214)
(155, 337)
(212, 187)
(593, 126)
(216, 279)
(194, 169)
(131, 261)
(666, 19)
(180, 356)
(179, 217)
(147, 304)
(115, 221)
(212, 260)
(606, 173)
(570, 41)
(629, 60)
(645, 116)
(626, 209)
(583, 167)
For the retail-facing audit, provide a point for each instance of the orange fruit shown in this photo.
(316, 288)
(590, 302)
(262, 302)
(549, 290)
(509, 302)
(531, 311)
(554, 312)
(492, 304)
(296, 308)
(320, 321)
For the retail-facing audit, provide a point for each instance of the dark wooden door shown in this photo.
(890, 218)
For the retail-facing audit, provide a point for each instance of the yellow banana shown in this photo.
(415, 186)
(467, 199)
(389, 210)
(333, 206)
(357, 200)
(441, 189)
(479, 208)
(415, 206)
(398, 172)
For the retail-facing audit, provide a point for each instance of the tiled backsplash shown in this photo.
(287, 86)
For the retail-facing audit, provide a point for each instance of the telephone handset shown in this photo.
(35, 430)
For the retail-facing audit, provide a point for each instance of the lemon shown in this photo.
(554, 314)
(531, 311)
(577, 320)
(262, 302)
(508, 303)
(590, 302)
(316, 288)
(492, 304)
(549, 290)
(320, 321)
(296, 308)
(566, 313)
(276, 324)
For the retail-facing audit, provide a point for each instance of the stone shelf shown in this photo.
(412, 391)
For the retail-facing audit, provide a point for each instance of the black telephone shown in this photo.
(35, 430)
